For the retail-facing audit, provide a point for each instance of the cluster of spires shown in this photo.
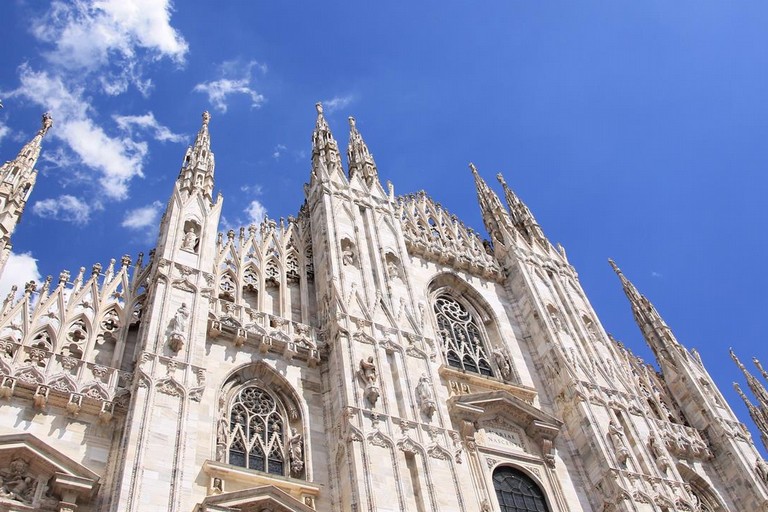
(197, 172)
(759, 413)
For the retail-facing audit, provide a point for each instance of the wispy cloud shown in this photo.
(656, 274)
(256, 189)
(144, 217)
(235, 79)
(4, 131)
(148, 123)
(116, 159)
(338, 102)
(65, 208)
(255, 212)
(87, 35)
(278, 151)
(19, 269)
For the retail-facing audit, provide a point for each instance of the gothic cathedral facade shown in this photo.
(370, 354)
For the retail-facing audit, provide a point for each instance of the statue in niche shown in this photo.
(424, 396)
(296, 452)
(222, 427)
(217, 487)
(616, 435)
(190, 240)
(504, 363)
(556, 320)
(367, 374)
(16, 483)
(761, 468)
(178, 328)
(348, 254)
(654, 445)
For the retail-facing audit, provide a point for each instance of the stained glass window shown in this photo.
(257, 432)
(517, 492)
(462, 341)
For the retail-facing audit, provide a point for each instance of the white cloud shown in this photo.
(252, 189)
(4, 130)
(19, 270)
(278, 151)
(255, 211)
(144, 217)
(89, 34)
(656, 274)
(337, 103)
(65, 208)
(116, 159)
(149, 123)
(235, 79)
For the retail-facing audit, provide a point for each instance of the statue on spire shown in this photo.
(47, 123)
(206, 117)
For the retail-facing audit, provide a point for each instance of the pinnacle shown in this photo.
(319, 108)
(206, 118)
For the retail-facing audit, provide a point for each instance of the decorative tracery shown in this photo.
(462, 341)
(259, 434)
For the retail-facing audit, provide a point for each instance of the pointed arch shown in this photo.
(461, 315)
(516, 491)
(263, 424)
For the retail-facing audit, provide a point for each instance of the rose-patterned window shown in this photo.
(462, 342)
(259, 435)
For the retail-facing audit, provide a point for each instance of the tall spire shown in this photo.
(326, 159)
(759, 415)
(757, 388)
(360, 159)
(17, 177)
(198, 166)
(490, 206)
(521, 215)
(656, 332)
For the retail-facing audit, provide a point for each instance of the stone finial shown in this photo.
(319, 108)
(472, 168)
(206, 117)
(352, 122)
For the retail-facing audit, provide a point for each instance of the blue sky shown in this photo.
(633, 130)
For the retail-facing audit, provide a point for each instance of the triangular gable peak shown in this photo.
(485, 412)
(42, 477)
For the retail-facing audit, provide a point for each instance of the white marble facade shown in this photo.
(370, 354)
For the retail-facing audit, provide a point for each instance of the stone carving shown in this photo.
(616, 435)
(348, 256)
(655, 446)
(189, 240)
(504, 362)
(16, 482)
(367, 374)
(761, 468)
(424, 396)
(296, 452)
(178, 328)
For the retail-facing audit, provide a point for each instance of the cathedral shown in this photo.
(370, 353)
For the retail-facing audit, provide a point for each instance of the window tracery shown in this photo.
(462, 341)
(517, 492)
(259, 434)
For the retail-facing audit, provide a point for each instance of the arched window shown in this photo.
(462, 341)
(517, 492)
(260, 436)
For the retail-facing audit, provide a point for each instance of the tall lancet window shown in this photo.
(517, 492)
(260, 436)
(460, 334)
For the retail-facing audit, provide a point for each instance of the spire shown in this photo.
(757, 388)
(24, 163)
(758, 415)
(521, 216)
(325, 152)
(360, 159)
(17, 177)
(656, 332)
(198, 166)
(490, 206)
